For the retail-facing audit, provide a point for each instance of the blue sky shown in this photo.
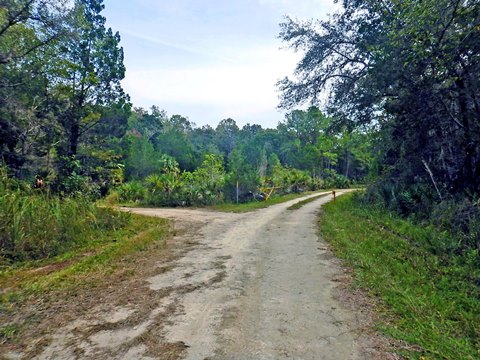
(208, 60)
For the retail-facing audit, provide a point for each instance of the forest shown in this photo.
(69, 131)
(401, 123)
(402, 116)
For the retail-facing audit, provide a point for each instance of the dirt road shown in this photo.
(256, 285)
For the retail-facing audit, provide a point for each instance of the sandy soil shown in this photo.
(259, 285)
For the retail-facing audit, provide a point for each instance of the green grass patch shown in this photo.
(429, 299)
(8, 332)
(299, 204)
(255, 205)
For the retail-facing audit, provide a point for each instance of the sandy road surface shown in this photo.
(257, 285)
(274, 300)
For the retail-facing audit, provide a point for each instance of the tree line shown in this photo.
(170, 161)
(65, 118)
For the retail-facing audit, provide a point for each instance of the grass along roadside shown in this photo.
(427, 299)
(299, 204)
(87, 267)
(255, 205)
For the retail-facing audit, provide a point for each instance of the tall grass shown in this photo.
(35, 224)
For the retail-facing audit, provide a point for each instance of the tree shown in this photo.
(28, 30)
(241, 172)
(203, 141)
(408, 67)
(88, 72)
(148, 124)
(174, 141)
(210, 177)
(306, 125)
(227, 132)
(26, 26)
(141, 160)
(60, 72)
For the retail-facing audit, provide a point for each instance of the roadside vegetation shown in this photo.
(425, 280)
(211, 185)
(50, 243)
(101, 253)
(34, 224)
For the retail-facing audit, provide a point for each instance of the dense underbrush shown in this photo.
(453, 214)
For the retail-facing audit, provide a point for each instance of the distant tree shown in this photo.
(142, 159)
(203, 141)
(242, 172)
(148, 124)
(209, 178)
(249, 132)
(226, 134)
(174, 141)
(306, 126)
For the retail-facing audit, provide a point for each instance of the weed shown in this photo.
(8, 332)
(38, 225)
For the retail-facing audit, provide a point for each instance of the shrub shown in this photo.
(461, 217)
(334, 180)
(113, 198)
(133, 191)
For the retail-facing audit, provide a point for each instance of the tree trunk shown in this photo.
(347, 164)
(468, 145)
(74, 135)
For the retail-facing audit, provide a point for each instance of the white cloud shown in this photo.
(208, 59)
(237, 90)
